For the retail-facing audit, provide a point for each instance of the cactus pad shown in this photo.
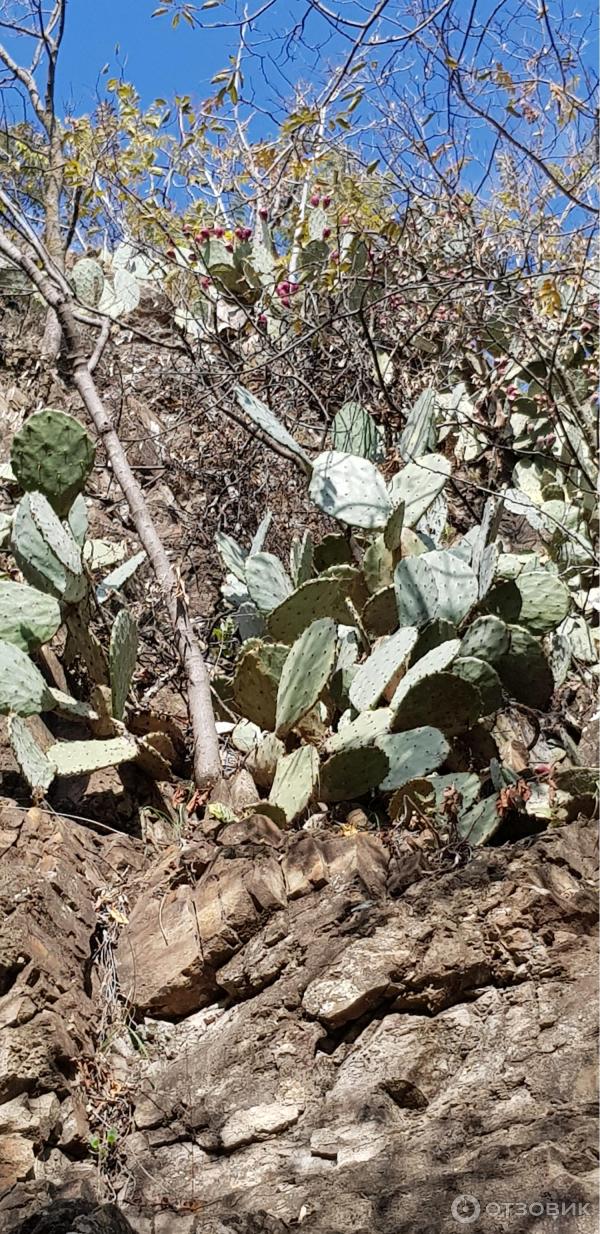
(535, 599)
(306, 672)
(380, 614)
(524, 670)
(32, 762)
(267, 581)
(121, 658)
(23, 691)
(418, 484)
(28, 618)
(319, 597)
(486, 680)
(295, 780)
(354, 431)
(352, 773)
(452, 703)
(301, 559)
(45, 550)
(487, 638)
(256, 681)
(350, 489)
(77, 758)
(386, 661)
(52, 454)
(412, 755)
(363, 731)
(87, 278)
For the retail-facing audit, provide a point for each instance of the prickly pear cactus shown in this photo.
(54, 455)
(77, 758)
(386, 663)
(35, 768)
(454, 703)
(487, 638)
(267, 581)
(23, 691)
(305, 674)
(354, 431)
(418, 485)
(28, 618)
(121, 658)
(45, 550)
(352, 773)
(256, 681)
(295, 780)
(350, 489)
(87, 278)
(411, 755)
(319, 597)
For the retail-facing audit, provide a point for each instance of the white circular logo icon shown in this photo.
(465, 1208)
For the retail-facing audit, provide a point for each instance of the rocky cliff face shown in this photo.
(262, 1032)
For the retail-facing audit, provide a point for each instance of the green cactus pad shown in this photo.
(23, 691)
(437, 585)
(350, 489)
(431, 636)
(363, 731)
(487, 638)
(305, 674)
(536, 600)
(352, 773)
(412, 755)
(261, 533)
(77, 758)
(232, 555)
(122, 658)
(480, 822)
(388, 658)
(319, 597)
(264, 419)
(394, 527)
(380, 614)
(452, 703)
(295, 780)
(418, 484)
(267, 581)
(332, 550)
(32, 762)
(87, 278)
(416, 592)
(256, 681)
(77, 520)
(524, 670)
(302, 559)
(354, 431)
(263, 759)
(484, 678)
(378, 565)
(28, 618)
(45, 550)
(52, 454)
(435, 661)
(419, 433)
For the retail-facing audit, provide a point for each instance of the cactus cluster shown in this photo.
(52, 456)
(384, 659)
